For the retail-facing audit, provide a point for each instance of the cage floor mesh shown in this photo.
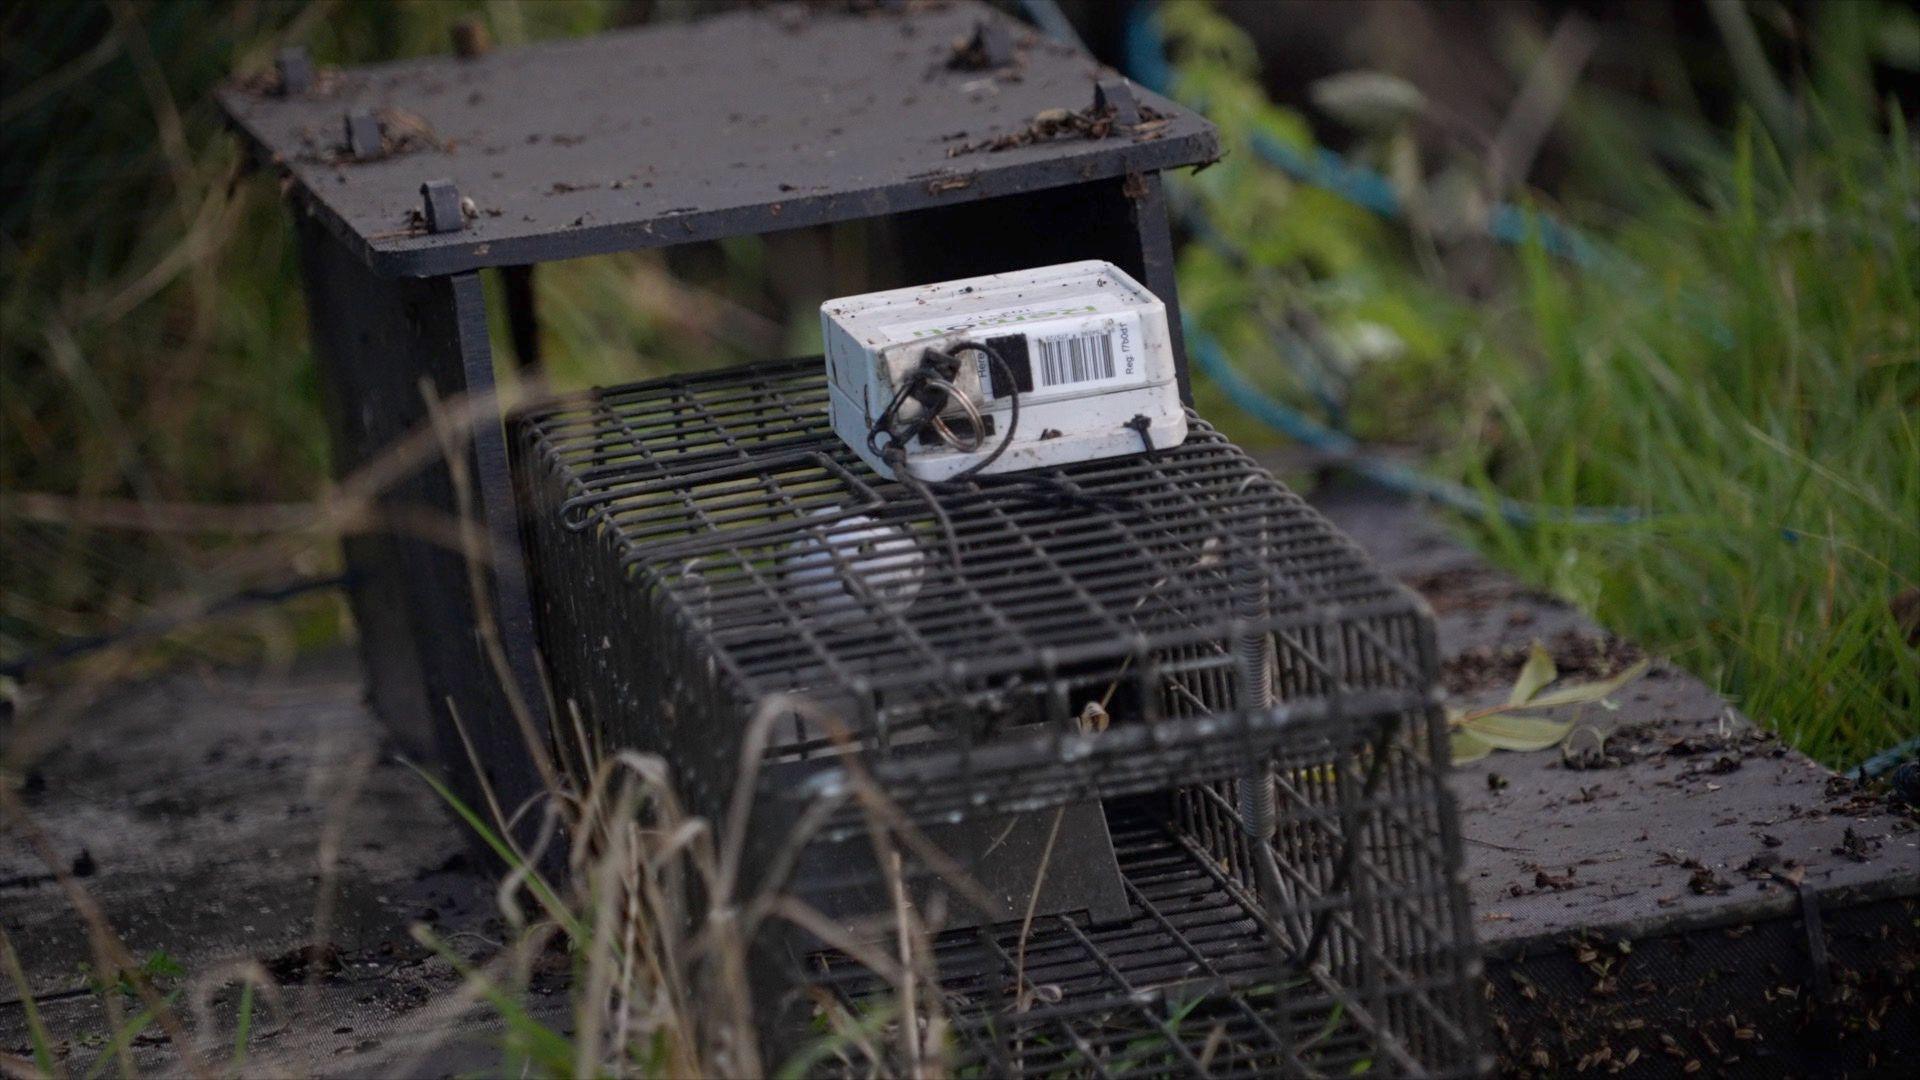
(1198, 981)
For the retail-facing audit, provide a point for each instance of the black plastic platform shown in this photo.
(1688, 897)
(201, 799)
(658, 136)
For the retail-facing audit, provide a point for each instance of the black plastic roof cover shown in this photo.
(746, 122)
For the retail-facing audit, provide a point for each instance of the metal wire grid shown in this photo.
(1203, 980)
(729, 493)
(1364, 963)
(663, 529)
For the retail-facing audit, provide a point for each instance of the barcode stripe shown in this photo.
(1075, 358)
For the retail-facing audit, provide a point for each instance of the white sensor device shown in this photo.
(1080, 349)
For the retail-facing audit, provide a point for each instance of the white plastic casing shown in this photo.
(1088, 345)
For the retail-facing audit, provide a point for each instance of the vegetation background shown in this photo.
(1733, 364)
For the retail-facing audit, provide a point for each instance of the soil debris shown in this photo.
(1458, 588)
(326, 82)
(1575, 655)
(1856, 847)
(1555, 882)
(1052, 125)
(1767, 867)
(401, 132)
(1591, 749)
(988, 48)
(1704, 882)
(302, 962)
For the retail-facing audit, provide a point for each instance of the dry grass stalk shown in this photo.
(112, 959)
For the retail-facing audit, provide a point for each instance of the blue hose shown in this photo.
(1208, 356)
(1146, 58)
(1147, 61)
(1887, 760)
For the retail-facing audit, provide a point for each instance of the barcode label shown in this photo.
(1075, 358)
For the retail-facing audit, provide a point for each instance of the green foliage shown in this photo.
(1747, 371)
(533, 1046)
(242, 1029)
(152, 329)
(1318, 297)
(37, 1033)
(131, 1028)
(1514, 725)
(1784, 458)
(158, 968)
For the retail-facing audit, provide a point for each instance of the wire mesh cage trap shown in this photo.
(1162, 744)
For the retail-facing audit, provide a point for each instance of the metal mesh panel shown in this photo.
(711, 562)
(1191, 983)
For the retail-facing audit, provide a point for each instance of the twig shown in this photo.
(903, 922)
(1033, 901)
(1756, 75)
(110, 953)
(1544, 94)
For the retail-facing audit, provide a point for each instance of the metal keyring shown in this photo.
(946, 434)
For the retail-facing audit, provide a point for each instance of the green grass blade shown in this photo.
(37, 1033)
(130, 1030)
(243, 1027)
(549, 899)
(542, 1045)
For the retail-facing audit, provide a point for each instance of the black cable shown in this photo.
(1002, 370)
(1055, 492)
(944, 365)
(166, 624)
(1140, 423)
(896, 456)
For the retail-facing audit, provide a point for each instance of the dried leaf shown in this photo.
(1512, 731)
(1534, 675)
(1368, 100)
(1469, 747)
(1588, 693)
